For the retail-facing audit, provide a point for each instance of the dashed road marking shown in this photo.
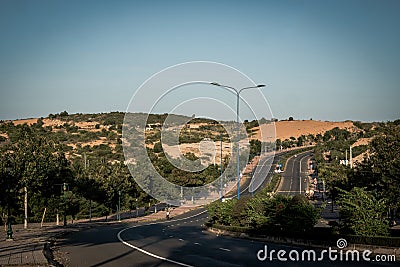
(224, 249)
(180, 239)
(149, 253)
(197, 243)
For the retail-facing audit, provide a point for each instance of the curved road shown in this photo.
(182, 241)
(178, 242)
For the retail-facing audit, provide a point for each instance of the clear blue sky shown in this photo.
(328, 60)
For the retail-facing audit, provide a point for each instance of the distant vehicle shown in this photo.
(277, 171)
(295, 155)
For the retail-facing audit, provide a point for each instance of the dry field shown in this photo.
(287, 129)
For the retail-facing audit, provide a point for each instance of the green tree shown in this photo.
(255, 148)
(239, 212)
(157, 147)
(221, 212)
(299, 216)
(380, 172)
(362, 214)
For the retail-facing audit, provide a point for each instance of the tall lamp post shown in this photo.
(237, 92)
(9, 227)
(221, 184)
(119, 206)
(65, 188)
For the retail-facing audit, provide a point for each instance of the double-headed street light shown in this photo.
(238, 123)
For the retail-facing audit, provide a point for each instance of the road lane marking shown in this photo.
(197, 243)
(180, 239)
(303, 155)
(300, 174)
(224, 249)
(149, 253)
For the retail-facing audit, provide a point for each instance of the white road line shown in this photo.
(305, 156)
(224, 249)
(197, 243)
(291, 177)
(300, 174)
(149, 253)
(180, 239)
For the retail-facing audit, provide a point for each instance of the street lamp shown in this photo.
(119, 206)
(9, 227)
(137, 211)
(237, 92)
(64, 188)
(220, 136)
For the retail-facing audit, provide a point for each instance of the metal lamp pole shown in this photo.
(237, 123)
(65, 203)
(9, 227)
(119, 206)
(220, 136)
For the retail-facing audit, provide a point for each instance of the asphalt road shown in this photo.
(178, 242)
(262, 175)
(295, 174)
(182, 241)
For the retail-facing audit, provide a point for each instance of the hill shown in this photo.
(297, 128)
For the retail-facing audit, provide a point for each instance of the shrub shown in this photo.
(221, 212)
(158, 147)
(299, 216)
(239, 212)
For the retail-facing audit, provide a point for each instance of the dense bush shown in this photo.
(221, 212)
(266, 214)
(362, 213)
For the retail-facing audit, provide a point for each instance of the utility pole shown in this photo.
(84, 157)
(137, 211)
(119, 206)
(220, 136)
(26, 207)
(90, 201)
(65, 203)
(351, 158)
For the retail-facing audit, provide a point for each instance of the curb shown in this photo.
(376, 250)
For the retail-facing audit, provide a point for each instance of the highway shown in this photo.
(294, 175)
(178, 242)
(263, 172)
(182, 241)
